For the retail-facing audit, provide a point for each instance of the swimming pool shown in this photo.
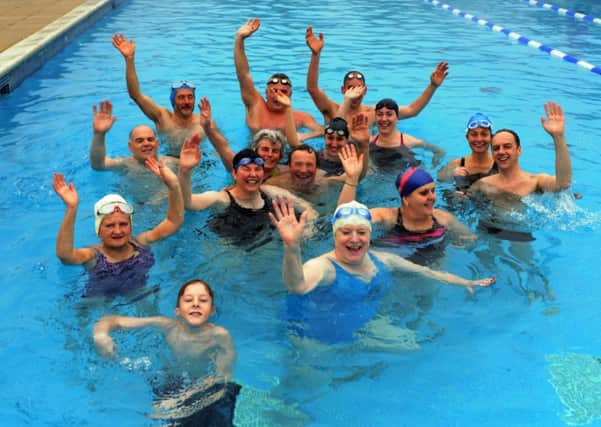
(518, 354)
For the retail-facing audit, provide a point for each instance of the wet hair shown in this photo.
(302, 147)
(514, 133)
(273, 135)
(337, 123)
(280, 76)
(181, 291)
(247, 152)
(347, 76)
(388, 103)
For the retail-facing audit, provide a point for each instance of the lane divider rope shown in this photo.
(565, 12)
(518, 37)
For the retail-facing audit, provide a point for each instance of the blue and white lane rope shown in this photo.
(565, 12)
(518, 37)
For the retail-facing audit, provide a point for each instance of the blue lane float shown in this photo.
(516, 36)
(565, 12)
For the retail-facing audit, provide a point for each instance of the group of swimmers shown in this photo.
(266, 193)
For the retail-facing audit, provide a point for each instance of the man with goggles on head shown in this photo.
(479, 163)
(143, 144)
(506, 151)
(354, 88)
(266, 113)
(173, 126)
(243, 207)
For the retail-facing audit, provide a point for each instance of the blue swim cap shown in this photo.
(411, 179)
(184, 84)
(478, 120)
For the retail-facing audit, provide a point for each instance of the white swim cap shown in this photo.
(109, 204)
(351, 213)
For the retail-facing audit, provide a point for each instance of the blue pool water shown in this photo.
(523, 353)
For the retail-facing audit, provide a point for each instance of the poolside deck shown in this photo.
(32, 32)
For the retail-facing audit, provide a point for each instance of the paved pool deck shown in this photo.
(33, 31)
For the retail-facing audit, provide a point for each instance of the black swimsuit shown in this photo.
(462, 183)
(240, 224)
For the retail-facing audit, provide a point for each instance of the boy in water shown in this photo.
(204, 354)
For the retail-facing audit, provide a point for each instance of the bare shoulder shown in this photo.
(385, 215)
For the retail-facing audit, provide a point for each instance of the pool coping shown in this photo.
(25, 57)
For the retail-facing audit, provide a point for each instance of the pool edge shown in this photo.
(25, 57)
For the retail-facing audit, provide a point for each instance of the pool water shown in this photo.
(522, 353)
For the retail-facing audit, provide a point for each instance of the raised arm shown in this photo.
(397, 263)
(436, 79)
(298, 279)
(216, 138)
(64, 241)
(321, 100)
(359, 133)
(146, 104)
(353, 167)
(190, 157)
(350, 95)
(175, 207)
(102, 122)
(103, 341)
(249, 93)
(292, 136)
(554, 125)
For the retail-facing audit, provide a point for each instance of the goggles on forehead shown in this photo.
(351, 76)
(245, 161)
(110, 207)
(479, 123)
(347, 211)
(278, 80)
(339, 132)
(182, 84)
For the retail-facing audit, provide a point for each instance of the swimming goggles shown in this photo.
(277, 80)
(339, 132)
(347, 211)
(479, 121)
(354, 75)
(182, 84)
(245, 161)
(110, 207)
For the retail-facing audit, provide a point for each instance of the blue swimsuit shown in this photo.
(116, 278)
(333, 313)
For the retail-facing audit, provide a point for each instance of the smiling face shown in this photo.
(303, 167)
(195, 305)
(248, 177)
(183, 104)
(270, 152)
(479, 139)
(505, 150)
(115, 230)
(421, 201)
(143, 143)
(334, 144)
(351, 243)
(386, 120)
